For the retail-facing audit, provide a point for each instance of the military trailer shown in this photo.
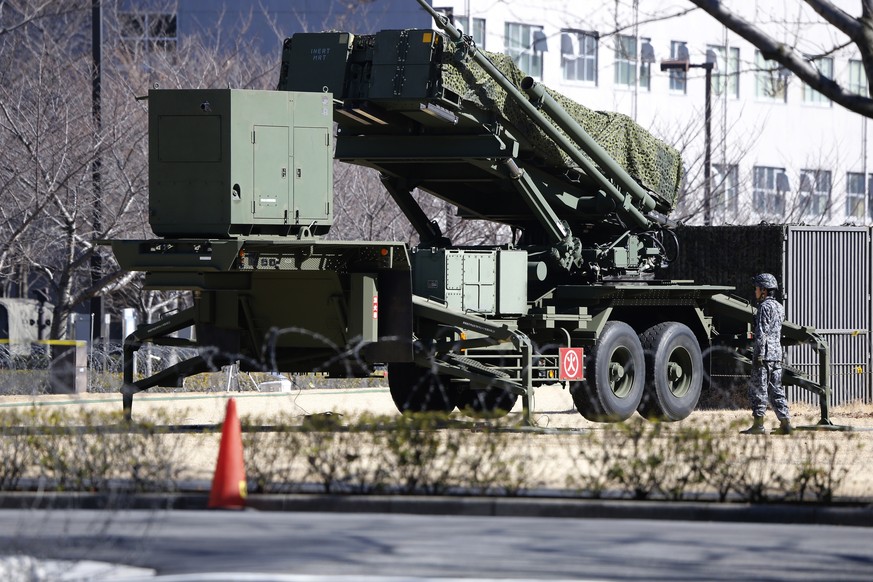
(241, 195)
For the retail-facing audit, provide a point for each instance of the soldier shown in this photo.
(767, 358)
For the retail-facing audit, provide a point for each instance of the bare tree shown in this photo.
(45, 115)
(355, 16)
(725, 187)
(462, 230)
(366, 211)
(856, 31)
(16, 14)
(50, 140)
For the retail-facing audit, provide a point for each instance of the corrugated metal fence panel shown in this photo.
(825, 274)
(828, 277)
(850, 369)
(827, 282)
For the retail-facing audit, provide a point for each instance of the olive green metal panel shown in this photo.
(222, 163)
(395, 318)
(287, 302)
(431, 275)
(511, 268)
(363, 308)
(270, 175)
(189, 138)
(309, 306)
(403, 64)
(454, 269)
(392, 64)
(315, 62)
(313, 196)
(487, 282)
(480, 276)
(176, 255)
(188, 154)
(271, 311)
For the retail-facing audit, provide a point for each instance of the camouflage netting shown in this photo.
(652, 163)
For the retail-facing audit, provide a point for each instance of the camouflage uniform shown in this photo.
(767, 360)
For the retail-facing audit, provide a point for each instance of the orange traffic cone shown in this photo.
(229, 482)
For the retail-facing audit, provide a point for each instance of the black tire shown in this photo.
(674, 372)
(490, 402)
(614, 376)
(416, 389)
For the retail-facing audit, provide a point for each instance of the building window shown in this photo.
(858, 78)
(870, 194)
(726, 188)
(148, 31)
(771, 81)
(477, 31)
(625, 60)
(726, 76)
(579, 55)
(679, 78)
(856, 194)
(525, 45)
(825, 66)
(769, 186)
(815, 192)
(647, 57)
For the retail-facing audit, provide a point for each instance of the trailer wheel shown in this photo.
(614, 376)
(493, 402)
(674, 372)
(416, 389)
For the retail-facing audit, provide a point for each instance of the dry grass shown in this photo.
(702, 456)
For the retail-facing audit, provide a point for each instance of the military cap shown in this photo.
(765, 281)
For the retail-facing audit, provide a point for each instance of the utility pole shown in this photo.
(96, 164)
(683, 65)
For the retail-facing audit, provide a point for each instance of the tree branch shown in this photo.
(838, 18)
(788, 57)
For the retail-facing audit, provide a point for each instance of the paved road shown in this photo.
(355, 545)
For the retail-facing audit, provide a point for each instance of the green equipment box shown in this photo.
(225, 163)
(390, 65)
(484, 282)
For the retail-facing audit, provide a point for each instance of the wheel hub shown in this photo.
(616, 371)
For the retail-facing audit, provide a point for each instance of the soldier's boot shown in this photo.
(784, 427)
(757, 426)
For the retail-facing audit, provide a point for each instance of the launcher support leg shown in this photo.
(127, 405)
(824, 366)
(523, 344)
(132, 343)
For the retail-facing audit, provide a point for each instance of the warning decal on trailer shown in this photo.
(571, 364)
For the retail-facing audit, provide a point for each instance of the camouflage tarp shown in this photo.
(652, 163)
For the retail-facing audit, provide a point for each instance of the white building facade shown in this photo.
(780, 152)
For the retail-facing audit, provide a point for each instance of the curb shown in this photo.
(568, 508)
(852, 515)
